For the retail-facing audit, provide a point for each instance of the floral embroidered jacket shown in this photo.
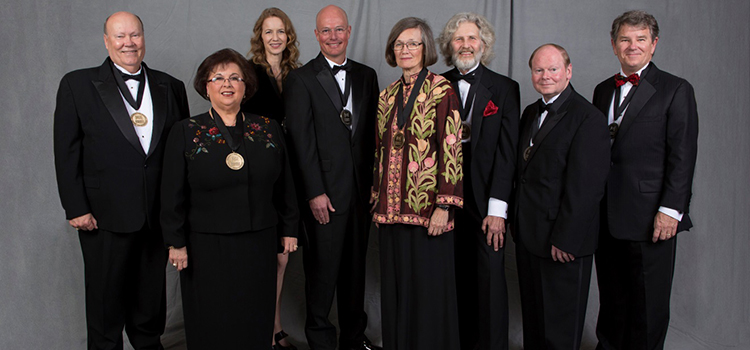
(427, 171)
(200, 193)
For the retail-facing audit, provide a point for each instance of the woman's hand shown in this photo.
(178, 258)
(289, 244)
(438, 222)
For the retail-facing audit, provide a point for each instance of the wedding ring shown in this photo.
(174, 264)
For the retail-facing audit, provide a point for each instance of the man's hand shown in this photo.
(561, 256)
(85, 222)
(320, 206)
(665, 227)
(438, 222)
(178, 258)
(494, 229)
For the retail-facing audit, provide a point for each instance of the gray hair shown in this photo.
(486, 33)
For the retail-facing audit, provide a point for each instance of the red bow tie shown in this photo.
(620, 79)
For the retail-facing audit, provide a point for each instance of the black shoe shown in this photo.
(281, 335)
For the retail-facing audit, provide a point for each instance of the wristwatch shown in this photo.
(443, 206)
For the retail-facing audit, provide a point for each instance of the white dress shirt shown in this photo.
(144, 132)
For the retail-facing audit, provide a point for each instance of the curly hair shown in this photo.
(290, 56)
(486, 33)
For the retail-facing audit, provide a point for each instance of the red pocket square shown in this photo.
(490, 109)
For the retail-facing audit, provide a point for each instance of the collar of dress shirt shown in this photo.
(552, 100)
(331, 63)
(126, 72)
(638, 72)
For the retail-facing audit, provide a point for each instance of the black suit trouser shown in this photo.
(480, 277)
(554, 296)
(635, 284)
(334, 262)
(125, 287)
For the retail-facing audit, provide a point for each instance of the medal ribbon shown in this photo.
(404, 111)
(233, 144)
(347, 88)
(472, 92)
(621, 106)
(135, 103)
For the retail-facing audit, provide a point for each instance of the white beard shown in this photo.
(466, 64)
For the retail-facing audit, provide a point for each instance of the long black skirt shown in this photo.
(418, 289)
(229, 290)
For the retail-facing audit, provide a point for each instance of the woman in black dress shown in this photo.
(226, 191)
(273, 54)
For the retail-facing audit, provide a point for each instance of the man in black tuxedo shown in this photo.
(654, 129)
(110, 126)
(331, 104)
(563, 163)
(490, 113)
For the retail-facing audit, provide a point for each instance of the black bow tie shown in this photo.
(469, 78)
(136, 77)
(543, 107)
(346, 67)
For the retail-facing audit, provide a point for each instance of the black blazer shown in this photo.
(267, 100)
(101, 166)
(331, 159)
(494, 136)
(653, 155)
(561, 185)
(201, 194)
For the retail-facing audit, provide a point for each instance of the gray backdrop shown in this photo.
(706, 42)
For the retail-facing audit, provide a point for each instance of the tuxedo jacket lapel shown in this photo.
(159, 99)
(110, 95)
(326, 80)
(549, 123)
(358, 97)
(642, 94)
(553, 117)
(481, 99)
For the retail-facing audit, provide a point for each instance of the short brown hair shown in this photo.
(562, 50)
(429, 54)
(219, 58)
(638, 19)
(290, 56)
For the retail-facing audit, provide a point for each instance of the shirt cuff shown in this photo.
(497, 207)
(671, 212)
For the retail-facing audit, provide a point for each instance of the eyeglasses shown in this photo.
(221, 80)
(412, 45)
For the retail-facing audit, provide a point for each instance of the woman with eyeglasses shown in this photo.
(273, 54)
(417, 185)
(226, 191)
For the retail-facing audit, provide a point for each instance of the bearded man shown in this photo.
(490, 114)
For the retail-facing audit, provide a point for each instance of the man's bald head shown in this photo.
(117, 15)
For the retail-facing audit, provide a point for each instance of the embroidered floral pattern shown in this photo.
(205, 135)
(411, 178)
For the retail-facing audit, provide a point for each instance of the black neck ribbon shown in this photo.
(405, 111)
